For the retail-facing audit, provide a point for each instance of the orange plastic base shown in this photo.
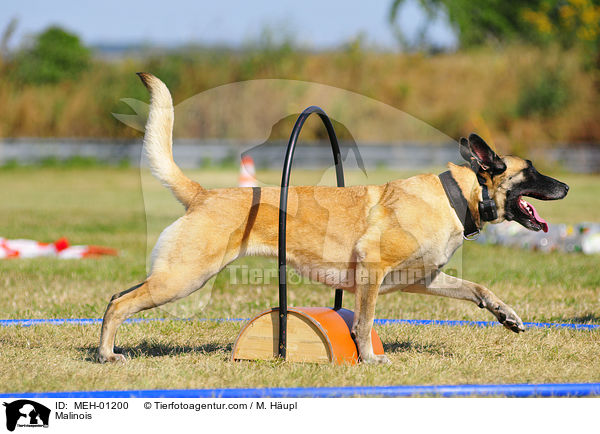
(315, 334)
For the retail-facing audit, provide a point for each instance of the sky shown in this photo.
(315, 24)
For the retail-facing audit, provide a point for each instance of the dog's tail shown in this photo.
(158, 142)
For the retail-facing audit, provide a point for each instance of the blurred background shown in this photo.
(402, 81)
(525, 75)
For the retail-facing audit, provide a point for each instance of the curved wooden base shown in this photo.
(315, 334)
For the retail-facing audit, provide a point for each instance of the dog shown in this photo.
(373, 231)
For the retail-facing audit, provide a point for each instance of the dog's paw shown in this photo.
(509, 319)
(514, 324)
(111, 358)
(376, 359)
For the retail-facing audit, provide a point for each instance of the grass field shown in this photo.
(105, 206)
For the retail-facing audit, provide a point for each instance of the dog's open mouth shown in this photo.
(531, 213)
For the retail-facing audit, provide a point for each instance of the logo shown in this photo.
(26, 413)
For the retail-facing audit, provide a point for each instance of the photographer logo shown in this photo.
(25, 413)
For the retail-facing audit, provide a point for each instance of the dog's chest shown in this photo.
(422, 265)
(435, 253)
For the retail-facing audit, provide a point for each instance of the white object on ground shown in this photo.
(33, 249)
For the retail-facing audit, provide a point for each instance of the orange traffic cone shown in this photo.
(247, 173)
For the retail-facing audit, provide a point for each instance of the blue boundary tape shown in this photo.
(509, 390)
(435, 322)
(86, 321)
(484, 323)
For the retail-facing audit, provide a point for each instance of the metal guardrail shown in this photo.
(199, 153)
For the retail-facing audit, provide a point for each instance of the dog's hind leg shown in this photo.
(121, 306)
(453, 287)
(182, 263)
(160, 288)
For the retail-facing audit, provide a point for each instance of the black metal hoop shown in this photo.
(285, 181)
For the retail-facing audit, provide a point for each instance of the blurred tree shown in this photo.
(6, 35)
(570, 22)
(54, 56)
(566, 21)
(476, 22)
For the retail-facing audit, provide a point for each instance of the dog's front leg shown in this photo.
(367, 289)
(453, 287)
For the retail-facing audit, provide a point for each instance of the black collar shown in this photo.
(460, 204)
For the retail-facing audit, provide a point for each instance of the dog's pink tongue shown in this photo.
(539, 219)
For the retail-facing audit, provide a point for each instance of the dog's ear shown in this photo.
(463, 148)
(485, 156)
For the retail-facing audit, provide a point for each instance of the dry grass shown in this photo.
(474, 90)
(197, 355)
(104, 206)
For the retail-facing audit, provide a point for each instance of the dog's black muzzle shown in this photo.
(543, 187)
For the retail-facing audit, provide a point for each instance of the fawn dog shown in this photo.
(369, 232)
